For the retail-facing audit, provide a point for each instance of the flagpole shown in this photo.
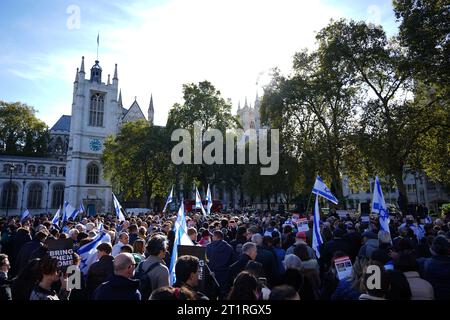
(98, 40)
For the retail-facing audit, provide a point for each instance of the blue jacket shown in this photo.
(345, 291)
(436, 270)
(118, 288)
(220, 256)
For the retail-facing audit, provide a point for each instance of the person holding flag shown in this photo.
(319, 189)
(118, 208)
(25, 214)
(169, 199)
(69, 212)
(379, 206)
(81, 209)
(198, 202)
(55, 219)
(181, 238)
(208, 200)
(88, 252)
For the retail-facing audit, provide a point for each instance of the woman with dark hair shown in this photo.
(170, 293)
(245, 287)
(23, 284)
(49, 274)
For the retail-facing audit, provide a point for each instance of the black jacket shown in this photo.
(267, 259)
(118, 288)
(237, 267)
(25, 253)
(330, 248)
(5, 288)
(98, 273)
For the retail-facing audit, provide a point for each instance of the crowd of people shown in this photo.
(258, 255)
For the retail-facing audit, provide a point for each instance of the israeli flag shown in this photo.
(198, 202)
(181, 238)
(24, 215)
(209, 200)
(428, 220)
(55, 219)
(69, 212)
(169, 199)
(81, 209)
(118, 208)
(321, 189)
(317, 237)
(379, 206)
(100, 226)
(88, 252)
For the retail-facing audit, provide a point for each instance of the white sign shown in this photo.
(303, 225)
(343, 267)
(342, 213)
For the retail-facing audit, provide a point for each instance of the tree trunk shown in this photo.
(402, 197)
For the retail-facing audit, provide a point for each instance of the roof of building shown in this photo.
(63, 124)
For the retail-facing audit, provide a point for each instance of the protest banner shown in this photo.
(61, 249)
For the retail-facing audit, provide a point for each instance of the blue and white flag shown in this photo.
(169, 199)
(428, 220)
(379, 206)
(208, 200)
(198, 202)
(317, 237)
(55, 219)
(81, 209)
(321, 189)
(118, 209)
(69, 212)
(24, 215)
(88, 252)
(100, 226)
(181, 238)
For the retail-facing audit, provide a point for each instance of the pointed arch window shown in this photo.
(92, 174)
(96, 110)
(35, 196)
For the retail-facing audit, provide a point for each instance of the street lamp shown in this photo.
(46, 204)
(8, 195)
(23, 192)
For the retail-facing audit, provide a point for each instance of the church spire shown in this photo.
(76, 75)
(115, 73)
(151, 110)
(239, 105)
(109, 80)
(246, 104)
(82, 65)
(119, 102)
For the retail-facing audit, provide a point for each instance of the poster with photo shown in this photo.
(343, 267)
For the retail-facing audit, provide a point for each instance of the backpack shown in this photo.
(145, 282)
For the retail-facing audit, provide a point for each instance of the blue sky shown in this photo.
(159, 45)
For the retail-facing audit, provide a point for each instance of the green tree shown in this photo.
(203, 103)
(137, 161)
(424, 30)
(21, 132)
(392, 119)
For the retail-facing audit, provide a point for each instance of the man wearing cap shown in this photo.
(436, 269)
(300, 238)
(370, 243)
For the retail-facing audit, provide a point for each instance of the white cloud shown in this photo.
(227, 42)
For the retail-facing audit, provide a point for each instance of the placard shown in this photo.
(342, 213)
(343, 267)
(302, 225)
(61, 249)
